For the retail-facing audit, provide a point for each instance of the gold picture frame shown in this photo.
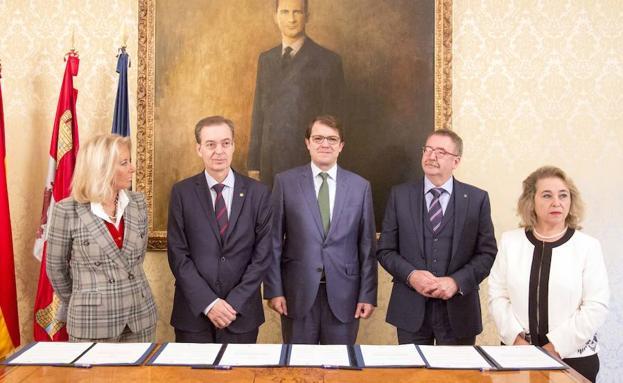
(147, 131)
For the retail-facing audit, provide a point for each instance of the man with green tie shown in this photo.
(323, 273)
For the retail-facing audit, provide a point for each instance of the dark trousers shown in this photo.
(435, 329)
(214, 335)
(587, 366)
(319, 326)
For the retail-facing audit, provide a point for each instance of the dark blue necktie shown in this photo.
(435, 213)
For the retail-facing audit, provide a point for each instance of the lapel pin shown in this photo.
(241, 194)
(464, 195)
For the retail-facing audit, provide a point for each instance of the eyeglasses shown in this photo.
(332, 140)
(441, 152)
(225, 144)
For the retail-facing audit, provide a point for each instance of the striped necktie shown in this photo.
(220, 209)
(435, 213)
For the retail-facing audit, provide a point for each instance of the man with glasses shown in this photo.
(437, 242)
(323, 275)
(218, 241)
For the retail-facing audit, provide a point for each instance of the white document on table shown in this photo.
(391, 355)
(115, 354)
(187, 354)
(319, 355)
(521, 357)
(48, 353)
(251, 355)
(454, 357)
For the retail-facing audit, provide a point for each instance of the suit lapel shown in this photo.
(101, 235)
(205, 200)
(341, 191)
(308, 191)
(237, 201)
(130, 231)
(299, 60)
(461, 202)
(416, 198)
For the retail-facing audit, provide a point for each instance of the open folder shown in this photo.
(81, 354)
(388, 356)
(521, 358)
(223, 355)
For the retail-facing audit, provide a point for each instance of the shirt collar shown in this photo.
(331, 172)
(228, 181)
(447, 186)
(98, 210)
(296, 46)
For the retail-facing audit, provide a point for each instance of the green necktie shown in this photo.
(323, 202)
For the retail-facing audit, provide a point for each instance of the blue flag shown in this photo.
(121, 119)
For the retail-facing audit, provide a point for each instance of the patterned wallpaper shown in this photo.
(539, 82)
(535, 82)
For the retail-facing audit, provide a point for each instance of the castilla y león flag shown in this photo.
(9, 323)
(63, 152)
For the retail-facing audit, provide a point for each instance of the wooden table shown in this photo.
(275, 375)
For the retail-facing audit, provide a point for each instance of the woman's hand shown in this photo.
(551, 350)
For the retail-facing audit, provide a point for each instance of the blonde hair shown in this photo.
(95, 168)
(525, 205)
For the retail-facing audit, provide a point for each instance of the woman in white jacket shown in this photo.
(548, 286)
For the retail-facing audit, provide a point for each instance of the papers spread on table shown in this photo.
(404, 355)
(115, 354)
(521, 357)
(318, 355)
(253, 355)
(186, 354)
(49, 353)
(454, 357)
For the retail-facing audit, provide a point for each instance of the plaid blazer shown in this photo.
(102, 288)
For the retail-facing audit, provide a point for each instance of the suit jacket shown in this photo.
(401, 250)
(206, 268)
(102, 288)
(286, 102)
(301, 252)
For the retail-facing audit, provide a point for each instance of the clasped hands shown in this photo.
(222, 314)
(363, 310)
(428, 285)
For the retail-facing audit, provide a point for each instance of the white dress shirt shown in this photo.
(296, 46)
(444, 198)
(228, 195)
(98, 210)
(331, 182)
(228, 190)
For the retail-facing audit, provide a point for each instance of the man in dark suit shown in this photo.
(323, 275)
(296, 81)
(438, 244)
(218, 244)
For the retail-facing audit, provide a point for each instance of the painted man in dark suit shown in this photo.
(323, 275)
(296, 81)
(218, 244)
(438, 244)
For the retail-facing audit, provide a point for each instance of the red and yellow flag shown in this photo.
(9, 322)
(63, 152)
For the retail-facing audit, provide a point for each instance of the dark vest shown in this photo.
(438, 246)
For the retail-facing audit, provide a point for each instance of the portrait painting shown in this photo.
(381, 66)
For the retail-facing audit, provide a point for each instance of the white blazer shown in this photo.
(578, 291)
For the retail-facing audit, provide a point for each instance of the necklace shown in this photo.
(114, 217)
(551, 236)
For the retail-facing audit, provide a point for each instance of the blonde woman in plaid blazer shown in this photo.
(96, 247)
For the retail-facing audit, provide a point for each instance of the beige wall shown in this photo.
(540, 82)
(535, 82)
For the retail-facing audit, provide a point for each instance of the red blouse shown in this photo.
(117, 234)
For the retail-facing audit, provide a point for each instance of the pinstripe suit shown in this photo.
(102, 288)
